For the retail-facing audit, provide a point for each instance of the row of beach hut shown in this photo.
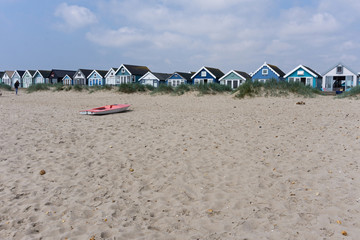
(338, 78)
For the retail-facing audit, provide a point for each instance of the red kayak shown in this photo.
(114, 108)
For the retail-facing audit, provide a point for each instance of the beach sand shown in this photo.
(178, 167)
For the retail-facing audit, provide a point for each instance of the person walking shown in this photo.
(16, 85)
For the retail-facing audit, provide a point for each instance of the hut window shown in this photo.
(339, 69)
(203, 73)
(265, 72)
(300, 73)
(123, 70)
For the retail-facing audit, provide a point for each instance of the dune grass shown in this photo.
(181, 89)
(275, 88)
(38, 87)
(5, 87)
(131, 88)
(352, 93)
(251, 89)
(163, 89)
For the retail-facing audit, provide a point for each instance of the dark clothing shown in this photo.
(16, 85)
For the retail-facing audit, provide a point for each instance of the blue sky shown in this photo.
(184, 35)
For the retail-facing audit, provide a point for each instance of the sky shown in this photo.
(169, 36)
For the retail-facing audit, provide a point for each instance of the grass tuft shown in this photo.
(58, 87)
(275, 88)
(131, 88)
(182, 89)
(38, 87)
(352, 93)
(78, 88)
(163, 89)
(5, 87)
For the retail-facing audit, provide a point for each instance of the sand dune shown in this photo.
(183, 167)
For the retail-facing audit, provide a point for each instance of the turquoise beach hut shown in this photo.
(28, 78)
(304, 75)
(41, 76)
(234, 78)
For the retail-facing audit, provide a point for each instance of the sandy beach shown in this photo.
(178, 167)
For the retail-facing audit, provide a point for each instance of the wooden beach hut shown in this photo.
(6, 79)
(57, 75)
(28, 78)
(81, 77)
(110, 77)
(154, 78)
(41, 76)
(97, 78)
(339, 78)
(207, 75)
(127, 73)
(234, 78)
(178, 78)
(17, 76)
(267, 72)
(305, 75)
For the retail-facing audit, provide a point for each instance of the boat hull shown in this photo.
(108, 109)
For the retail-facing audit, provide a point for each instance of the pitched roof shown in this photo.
(109, 71)
(2, 74)
(45, 73)
(32, 72)
(276, 69)
(86, 72)
(69, 76)
(9, 73)
(136, 70)
(20, 72)
(215, 72)
(273, 68)
(58, 73)
(184, 75)
(318, 75)
(102, 73)
(161, 76)
(340, 63)
(243, 74)
(309, 70)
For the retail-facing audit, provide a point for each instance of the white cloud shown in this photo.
(116, 38)
(299, 23)
(228, 32)
(74, 16)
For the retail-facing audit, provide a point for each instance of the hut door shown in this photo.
(303, 80)
(348, 82)
(235, 84)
